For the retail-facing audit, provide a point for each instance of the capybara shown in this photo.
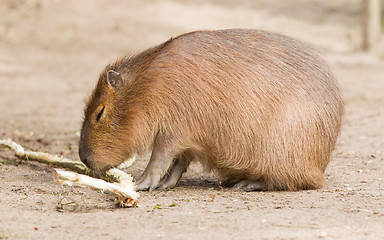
(261, 108)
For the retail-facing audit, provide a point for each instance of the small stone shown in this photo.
(211, 197)
(64, 152)
(322, 235)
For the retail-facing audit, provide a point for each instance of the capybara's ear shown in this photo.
(114, 80)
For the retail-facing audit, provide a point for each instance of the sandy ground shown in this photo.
(51, 53)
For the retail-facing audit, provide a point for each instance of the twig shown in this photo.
(123, 188)
(296, 226)
(45, 157)
(126, 195)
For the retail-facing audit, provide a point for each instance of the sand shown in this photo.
(51, 53)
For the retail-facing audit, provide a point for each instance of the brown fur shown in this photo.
(255, 105)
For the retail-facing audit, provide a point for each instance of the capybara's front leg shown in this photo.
(160, 161)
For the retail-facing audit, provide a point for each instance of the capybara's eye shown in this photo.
(100, 114)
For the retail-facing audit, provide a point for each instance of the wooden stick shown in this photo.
(371, 23)
(44, 157)
(123, 189)
(126, 195)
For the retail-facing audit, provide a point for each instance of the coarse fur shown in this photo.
(260, 107)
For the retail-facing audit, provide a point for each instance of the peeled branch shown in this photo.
(123, 187)
(126, 195)
(44, 157)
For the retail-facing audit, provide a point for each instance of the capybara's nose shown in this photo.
(84, 154)
(85, 161)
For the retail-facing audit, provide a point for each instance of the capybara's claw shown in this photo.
(250, 185)
(147, 182)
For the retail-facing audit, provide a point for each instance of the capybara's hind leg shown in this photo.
(174, 174)
(250, 185)
(160, 161)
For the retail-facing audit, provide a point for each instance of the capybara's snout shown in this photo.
(84, 154)
(91, 158)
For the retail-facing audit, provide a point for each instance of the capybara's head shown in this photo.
(100, 141)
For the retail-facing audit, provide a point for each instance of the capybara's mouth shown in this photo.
(99, 172)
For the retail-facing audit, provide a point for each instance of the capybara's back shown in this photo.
(260, 107)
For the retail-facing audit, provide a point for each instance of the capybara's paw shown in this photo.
(250, 185)
(147, 182)
(169, 181)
